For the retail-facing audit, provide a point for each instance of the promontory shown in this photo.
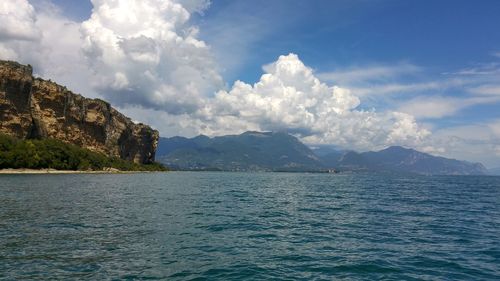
(33, 108)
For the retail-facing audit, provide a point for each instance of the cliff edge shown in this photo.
(36, 108)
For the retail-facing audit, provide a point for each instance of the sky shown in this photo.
(359, 75)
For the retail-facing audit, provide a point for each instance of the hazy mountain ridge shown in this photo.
(250, 151)
(275, 151)
(400, 159)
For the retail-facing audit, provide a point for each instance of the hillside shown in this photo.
(400, 159)
(250, 151)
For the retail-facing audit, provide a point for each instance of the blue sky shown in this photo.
(437, 36)
(436, 62)
(440, 37)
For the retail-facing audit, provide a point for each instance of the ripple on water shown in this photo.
(253, 226)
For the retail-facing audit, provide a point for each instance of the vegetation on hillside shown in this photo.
(250, 151)
(54, 154)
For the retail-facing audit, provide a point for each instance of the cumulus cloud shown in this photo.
(145, 53)
(135, 53)
(18, 21)
(289, 97)
(45, 39)
(18, 27)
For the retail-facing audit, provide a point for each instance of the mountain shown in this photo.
(400, 159)
(256, 151)
(494, 171)
(33, 108)
(250, 151)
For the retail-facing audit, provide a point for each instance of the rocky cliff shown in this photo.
(36, 108)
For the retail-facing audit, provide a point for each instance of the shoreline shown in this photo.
(53, 171)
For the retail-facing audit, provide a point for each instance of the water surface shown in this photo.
(252, 226)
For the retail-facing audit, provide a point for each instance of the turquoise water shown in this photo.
(249, 226)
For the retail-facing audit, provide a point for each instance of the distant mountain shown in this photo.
(494, 171)
(331, 159)
(250, 151)
(322, 150)
(400, 159)
(256, 151)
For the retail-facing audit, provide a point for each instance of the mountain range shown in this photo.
(400, 159)
(278, 151)
(250, 151)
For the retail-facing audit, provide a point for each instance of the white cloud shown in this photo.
(289, 97)
(47, 40)
(478, 69)
(431, 107)
(495, 128)
(489, 89)
(137, 53)
(368, 73)
(474, 142)
(18, 21)
(398, 88)
(386, 84)
(194, 6)
(145, 53)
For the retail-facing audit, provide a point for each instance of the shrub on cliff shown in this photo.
(54, 154)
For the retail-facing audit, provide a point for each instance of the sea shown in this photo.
(249, 226)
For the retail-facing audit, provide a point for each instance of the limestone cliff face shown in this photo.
(35, 108)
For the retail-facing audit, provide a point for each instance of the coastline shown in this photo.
(53, 171)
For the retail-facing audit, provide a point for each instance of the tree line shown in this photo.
(55, 154)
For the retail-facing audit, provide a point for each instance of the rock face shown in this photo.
(35, 108)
